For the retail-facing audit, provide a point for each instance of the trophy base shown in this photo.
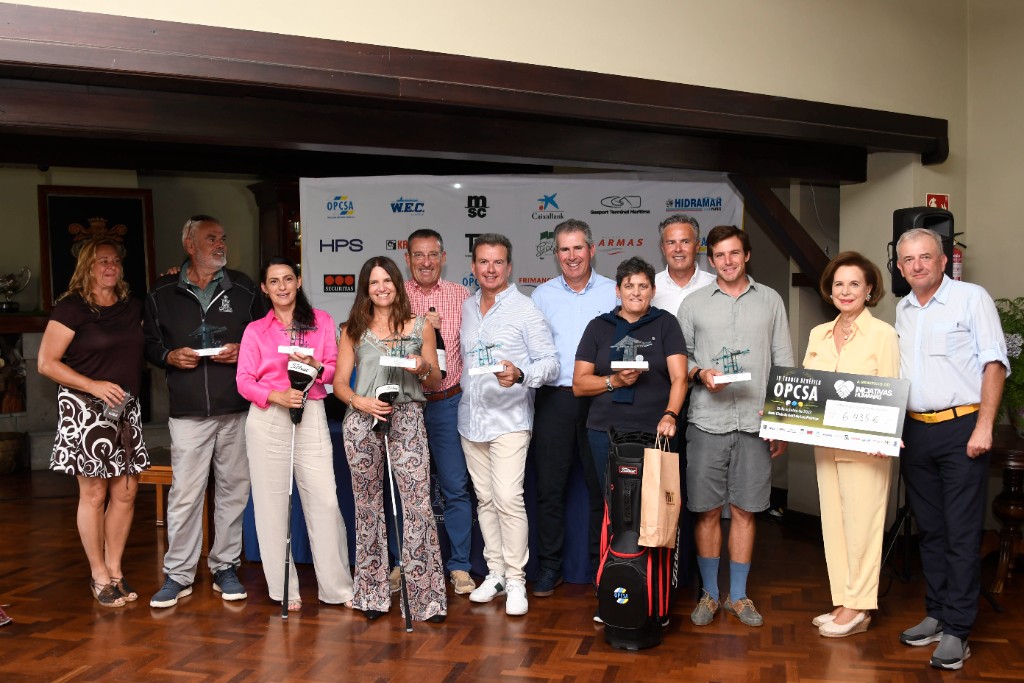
(9, 307)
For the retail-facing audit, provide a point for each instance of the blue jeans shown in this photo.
(441, 419)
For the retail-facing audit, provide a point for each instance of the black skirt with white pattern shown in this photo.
(90, 445)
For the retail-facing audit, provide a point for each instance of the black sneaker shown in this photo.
(546, 583)
(227, 584)
(169, 594)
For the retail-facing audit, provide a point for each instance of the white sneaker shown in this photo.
(515, 602)
(491, 587)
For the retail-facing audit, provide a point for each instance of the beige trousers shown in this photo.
(268, 435)
(497, 469)
(854, 492)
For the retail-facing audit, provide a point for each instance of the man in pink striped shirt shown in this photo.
(441, 302)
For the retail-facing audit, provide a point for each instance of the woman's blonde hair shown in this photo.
(81, 280)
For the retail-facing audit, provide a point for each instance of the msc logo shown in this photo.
(546, 245)
(694, 204)
(476, 206)
(340, 207)
(339, 283)
(341, 244)
(403, 205)
(548, 208)
(394, 245)
(632, 201)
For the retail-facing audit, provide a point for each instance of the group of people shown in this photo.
(530, 377)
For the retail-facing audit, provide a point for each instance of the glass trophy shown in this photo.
(396, 355)
(297, 338)
(728, 360)
(208, 344)
(631, 360)
(485, 364)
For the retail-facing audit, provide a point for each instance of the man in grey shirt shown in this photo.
(731, 327)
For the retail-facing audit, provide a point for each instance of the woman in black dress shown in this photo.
(92, 348)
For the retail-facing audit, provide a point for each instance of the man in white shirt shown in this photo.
(680, 240)
(501, 327)
(953, 351)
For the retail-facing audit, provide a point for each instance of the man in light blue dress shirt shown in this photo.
(501, 327)
(953, 351)
(569, 302)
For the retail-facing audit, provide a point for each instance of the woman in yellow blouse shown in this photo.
(853, 486)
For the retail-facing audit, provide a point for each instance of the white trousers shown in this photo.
(497, 469)
(268, 434)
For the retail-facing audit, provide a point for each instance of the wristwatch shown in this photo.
(521, 378)
(608, 383)
(696, 375)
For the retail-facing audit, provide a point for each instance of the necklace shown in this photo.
(847, 329)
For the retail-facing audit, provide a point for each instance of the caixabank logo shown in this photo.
(411, 206)
(707, 203)
(340, 206)
(339, 283)
(548, 209)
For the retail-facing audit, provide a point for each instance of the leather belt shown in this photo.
(947, 414)
(442, 395)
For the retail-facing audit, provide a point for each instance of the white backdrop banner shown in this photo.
(345, 221)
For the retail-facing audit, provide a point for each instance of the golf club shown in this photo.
(301, 377)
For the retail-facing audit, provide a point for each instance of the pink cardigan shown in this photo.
(261, 369)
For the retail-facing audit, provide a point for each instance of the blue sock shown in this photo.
(738, 579)
(709, 575)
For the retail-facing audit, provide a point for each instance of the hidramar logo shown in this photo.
(694, 204)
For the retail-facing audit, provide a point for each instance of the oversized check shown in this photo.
(835, 409)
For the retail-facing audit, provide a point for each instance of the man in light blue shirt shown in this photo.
(953, 351)
(569, 302)
(501, 326)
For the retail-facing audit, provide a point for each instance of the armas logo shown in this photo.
(413, 206)
(340, 206)
(616, 245)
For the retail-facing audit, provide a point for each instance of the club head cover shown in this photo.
(301, 376)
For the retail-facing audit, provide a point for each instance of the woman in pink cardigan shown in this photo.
(309, 337)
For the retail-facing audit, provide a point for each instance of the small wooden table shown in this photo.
(1008, 506)
(160, 475)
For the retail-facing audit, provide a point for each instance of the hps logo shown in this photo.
(340, 207)
(341, 244)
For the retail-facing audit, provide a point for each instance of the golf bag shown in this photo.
(634, 582)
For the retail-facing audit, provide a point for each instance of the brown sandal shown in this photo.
(106, 594)
(124, 589)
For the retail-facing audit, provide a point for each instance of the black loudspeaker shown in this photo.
(939, 220)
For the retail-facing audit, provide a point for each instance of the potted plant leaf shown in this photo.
(1011, 315)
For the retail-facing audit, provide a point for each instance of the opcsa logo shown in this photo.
(340, 207)
(334, 283)
(403, 205)
(546, 245)
(548, 208)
